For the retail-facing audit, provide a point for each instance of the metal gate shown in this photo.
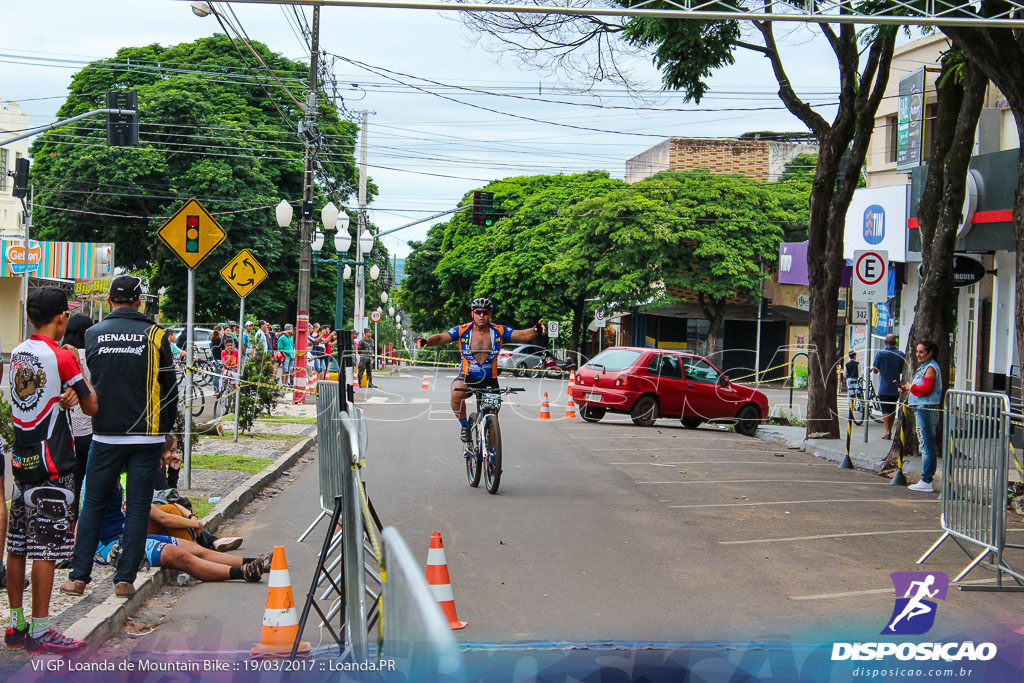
(976, 437)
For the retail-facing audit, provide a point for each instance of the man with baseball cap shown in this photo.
(133, 371)
(46, 380)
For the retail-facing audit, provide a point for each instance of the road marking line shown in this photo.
(874, 591)
(681, 447)
(729, 462)
(769, 481)
(813, 538)
(798, 502)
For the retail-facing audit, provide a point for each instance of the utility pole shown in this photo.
(310, 141)
(358, 314)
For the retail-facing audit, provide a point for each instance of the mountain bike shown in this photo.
(224, 402)
(483, 452)
(869, 402)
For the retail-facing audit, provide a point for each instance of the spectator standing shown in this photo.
(133, 372)
(316, 350)
(286, 344)
(888, 365)
(263, 336)
(46, 380)
(926, 400)
(852, 374)
(367, 350)
(217, 338)
(247, 340)
(81, 424)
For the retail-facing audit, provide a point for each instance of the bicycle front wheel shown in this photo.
(857, 408)
(198, 402)
(472, 455)
(492, 455)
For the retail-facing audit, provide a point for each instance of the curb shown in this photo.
(107, 618)
(819, 450)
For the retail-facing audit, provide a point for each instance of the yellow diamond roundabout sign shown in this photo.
(244, 273)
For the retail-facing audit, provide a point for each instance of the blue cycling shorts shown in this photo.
(155, 545)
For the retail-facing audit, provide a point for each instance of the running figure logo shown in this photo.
(914, 613)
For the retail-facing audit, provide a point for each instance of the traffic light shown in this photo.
(20, 188)
(123, 129)
(192, 234)
(483, 204)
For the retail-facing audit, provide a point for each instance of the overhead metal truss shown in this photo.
(898, 12)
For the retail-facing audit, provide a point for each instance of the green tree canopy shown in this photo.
(209, 130)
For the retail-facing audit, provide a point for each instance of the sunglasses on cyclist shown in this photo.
(481, 311)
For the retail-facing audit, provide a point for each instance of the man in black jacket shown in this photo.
(133, 372)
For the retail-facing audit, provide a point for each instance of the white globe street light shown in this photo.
(365, 242)
(374, 271)
(283, 210)
(384, 298)
(342, 240)
(329, 216)
(391, 310)
(347, 273)
(318, 241)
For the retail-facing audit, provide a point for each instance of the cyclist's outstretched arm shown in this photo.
(434, 340)
(530, 333)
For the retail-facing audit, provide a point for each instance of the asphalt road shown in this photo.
(609, 532)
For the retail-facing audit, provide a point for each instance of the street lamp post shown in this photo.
(342, 242)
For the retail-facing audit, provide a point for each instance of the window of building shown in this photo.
(891, 137)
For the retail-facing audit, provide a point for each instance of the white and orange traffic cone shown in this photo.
(280, 622)
(570, 410)
(439, 581)
(426, 382)
(572, 383)
(545, 409)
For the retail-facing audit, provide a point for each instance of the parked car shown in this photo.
(201, 336)
(519, 358)
(650, 383)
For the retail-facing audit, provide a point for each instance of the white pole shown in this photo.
(241, 362)
(188, 375)
(27, 220)
(865, 373)
(359, 310)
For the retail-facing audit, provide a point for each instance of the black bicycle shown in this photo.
(483, 452)
(865, 403)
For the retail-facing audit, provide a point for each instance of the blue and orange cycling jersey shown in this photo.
(488, 368)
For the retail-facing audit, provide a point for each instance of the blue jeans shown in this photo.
(927, 419)
(106, 462)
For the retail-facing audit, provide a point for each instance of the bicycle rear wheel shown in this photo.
(492, 455)
(857, 416)
(472, 455)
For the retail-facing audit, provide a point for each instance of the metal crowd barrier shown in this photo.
(415, 633)
(976, 438)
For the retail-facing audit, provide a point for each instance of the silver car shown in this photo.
(519, 358)
(201, 336)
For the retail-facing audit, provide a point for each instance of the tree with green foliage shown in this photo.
(208, 129)
(687, 51)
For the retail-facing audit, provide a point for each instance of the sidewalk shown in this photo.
(280, 441)
(866, 456)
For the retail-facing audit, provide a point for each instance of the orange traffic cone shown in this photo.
(440, 582)
(426, 383)
(572, 383)
(280, 622)
(570, 410)
(545, 409)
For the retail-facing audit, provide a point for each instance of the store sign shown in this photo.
(877, 220)
(96, 290)
(16, 257)
(966, 270)
(910, 120)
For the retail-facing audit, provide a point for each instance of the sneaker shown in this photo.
(264, 562)
(15, 637)
(52, 643)
(887, 437)
(925, 486)
(464, 433)
(73, 587)
(222, 545)
(253, 571)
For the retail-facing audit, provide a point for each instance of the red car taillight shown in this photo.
(622, 381)
(505, 354)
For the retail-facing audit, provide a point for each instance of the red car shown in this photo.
(652, 383)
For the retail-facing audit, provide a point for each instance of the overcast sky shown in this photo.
(424, 151)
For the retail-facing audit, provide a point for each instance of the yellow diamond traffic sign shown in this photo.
(244, 273)
(191, 233)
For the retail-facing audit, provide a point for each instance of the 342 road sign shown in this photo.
(870, 275)
(244, 273)
(191, 233)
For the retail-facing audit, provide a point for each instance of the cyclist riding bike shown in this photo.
(480, 342)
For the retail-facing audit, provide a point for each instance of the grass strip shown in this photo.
(240, 463)
(265, 437)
